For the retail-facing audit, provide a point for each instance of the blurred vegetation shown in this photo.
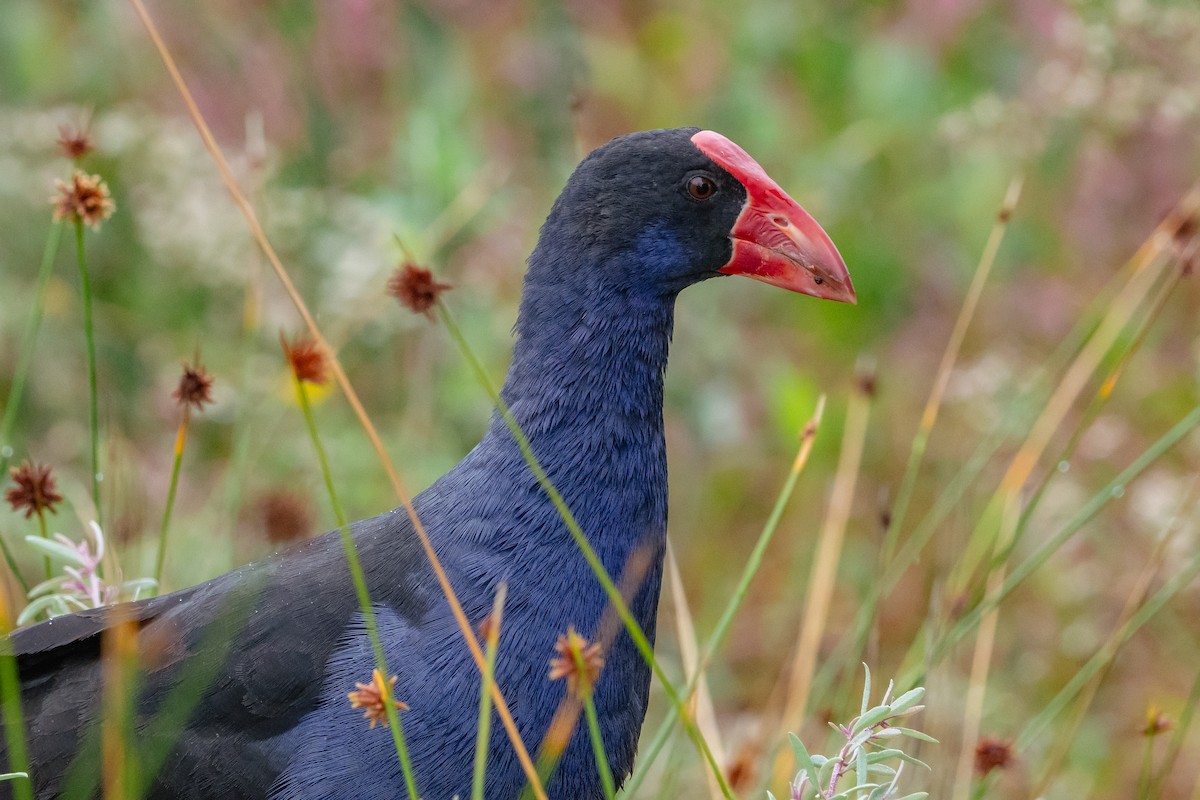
(452, 124)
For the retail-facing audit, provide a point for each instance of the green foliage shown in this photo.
(453, 125)
(871, 740)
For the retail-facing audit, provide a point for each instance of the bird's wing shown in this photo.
(226, 667)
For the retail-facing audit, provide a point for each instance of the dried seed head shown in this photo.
(992, 754)
(195, 387)
(285, 516)
(34, 491)
(371, 697)
(85, 198)
(415, 288)
(307, 359)
(1156, 722)
(866, 382)
(74, 143)
(1185, 244)
(484, 629)
(743, 771)
(564, 664)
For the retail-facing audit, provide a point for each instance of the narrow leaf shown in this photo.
(924, 737)
(907, 700)
(872, 718)
(866, 698)
(49, 547)
(803, 760)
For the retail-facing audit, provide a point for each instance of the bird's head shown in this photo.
(659, 210)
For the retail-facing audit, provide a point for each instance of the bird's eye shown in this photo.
(701, 187)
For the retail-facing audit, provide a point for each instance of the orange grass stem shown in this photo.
(942, 379)
(343, 381)
(1006, 501)
(825, 563)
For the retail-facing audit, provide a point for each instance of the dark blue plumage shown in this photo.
(626, 235)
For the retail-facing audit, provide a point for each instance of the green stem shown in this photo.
(1143, 784)
(180, 440)
(1151, 607)
(25, 361)
(614, 594)
(662, 735)
(484, 727)
(360, 589)
(24, 364)
(41, 515)
(593, 723)
(14, 720)
(1115, 488)
(85, 288)
(1180, 735)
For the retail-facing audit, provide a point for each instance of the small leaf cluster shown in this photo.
(872, 740)
(81, 585)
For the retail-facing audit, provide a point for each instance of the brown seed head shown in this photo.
(74, 143)
(415, 288)
(744, 771)
(564, 665)
(992, 754)
(484, 629)
(195, 387)
(85, 198)
(1185, 245)
(1156, 722)
(307, 359)
(866, 382)
(34, 490)
(371, 696)
(285, 516)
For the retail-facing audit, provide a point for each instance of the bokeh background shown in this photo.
(452, 125)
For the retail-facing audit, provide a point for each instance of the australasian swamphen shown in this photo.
(640, 219)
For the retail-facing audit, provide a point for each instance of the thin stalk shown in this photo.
(566, 716)
(159, 734)
(1147, 610)
(1180, 735)
(10, 707)
(998, 526)
(41, 515)
(24, 364)
(360, 589)
(826, 560)
(1067, 734)
(28, 342)
(180, 440)
(971, 619)
(484, 726)
(119, 767)
(699, 702)
(614, 594)
(942, 379)
(1103, 393)
(849, 649)
(662, 735)
(593, 723)
(343, 381)
(85, 289)
(1144, 776)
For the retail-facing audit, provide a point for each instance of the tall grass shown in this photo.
(1014, 464)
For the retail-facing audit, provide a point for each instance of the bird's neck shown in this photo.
(591, 358)
(586, 387)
